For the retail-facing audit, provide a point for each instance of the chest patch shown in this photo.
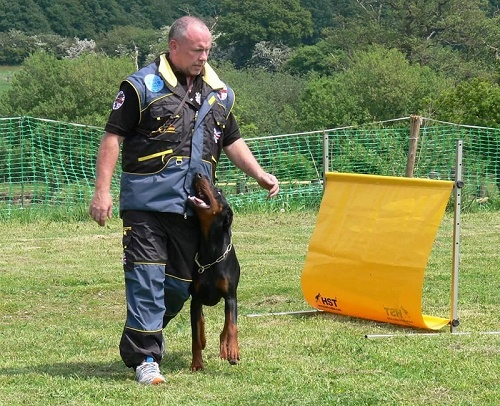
(154, 83)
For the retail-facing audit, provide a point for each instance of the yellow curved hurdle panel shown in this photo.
(370, 247)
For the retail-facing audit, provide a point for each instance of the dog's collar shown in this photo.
(202, 268)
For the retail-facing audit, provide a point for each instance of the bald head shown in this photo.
(181, 26)
(189, 42)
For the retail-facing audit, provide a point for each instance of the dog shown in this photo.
(218, 271)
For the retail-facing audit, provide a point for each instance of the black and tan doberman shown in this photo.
(218, 271)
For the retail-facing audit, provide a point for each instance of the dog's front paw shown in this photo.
(230, 352)
(196, 365)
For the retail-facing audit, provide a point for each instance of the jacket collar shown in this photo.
(209, 75)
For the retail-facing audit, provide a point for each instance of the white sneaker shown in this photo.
(148, 373)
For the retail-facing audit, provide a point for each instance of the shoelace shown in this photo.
(149, 367)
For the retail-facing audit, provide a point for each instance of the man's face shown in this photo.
(190, 54)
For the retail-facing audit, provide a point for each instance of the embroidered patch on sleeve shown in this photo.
(119, 100)
(223, 93)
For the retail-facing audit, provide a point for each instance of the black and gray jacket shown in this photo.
(170, 146)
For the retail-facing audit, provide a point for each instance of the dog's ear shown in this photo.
(228, 218)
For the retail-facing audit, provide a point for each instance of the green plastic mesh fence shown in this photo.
(46, 164)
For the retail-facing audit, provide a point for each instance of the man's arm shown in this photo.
(101, 205)
(240, 155)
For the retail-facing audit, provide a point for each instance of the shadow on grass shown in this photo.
(370, 325)
(110, 371)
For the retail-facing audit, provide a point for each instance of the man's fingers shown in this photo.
(100, 216)
(274, 185)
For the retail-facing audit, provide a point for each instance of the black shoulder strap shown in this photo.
(197, 140)
(179, 107)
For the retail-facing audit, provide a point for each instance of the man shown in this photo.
(173, 119)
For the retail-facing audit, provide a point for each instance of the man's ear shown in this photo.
(173, 45)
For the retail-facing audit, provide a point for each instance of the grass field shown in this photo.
(62, 309)
(6, 73)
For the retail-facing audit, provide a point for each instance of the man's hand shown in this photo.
(101, 207)
(270, 182)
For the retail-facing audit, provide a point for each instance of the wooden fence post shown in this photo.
(415, 122)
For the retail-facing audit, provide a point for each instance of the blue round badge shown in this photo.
(153, 82)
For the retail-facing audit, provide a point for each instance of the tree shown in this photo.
(389, 85)
(451, 36)
(321, 58)
(23, 15)
(243, 24)
(68, 18)
(269, 57)
(74, 90)
(165, 12)
(458, 25)
(16, 46)
(495, 6)
(327, 102)
(379, 84)
(127, 40)
(474, 102)
(265, 101)
(324, 14)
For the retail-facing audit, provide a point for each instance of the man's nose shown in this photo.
(204, 55)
